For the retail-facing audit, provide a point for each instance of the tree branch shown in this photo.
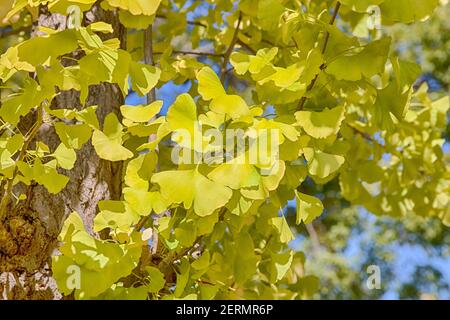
(226, 58)
(193, 23)
(246, 46)
(324, 49)
(314, 237)
(196, 53)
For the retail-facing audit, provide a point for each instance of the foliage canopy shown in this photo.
(343, 101)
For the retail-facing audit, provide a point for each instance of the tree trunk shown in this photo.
(28, 237)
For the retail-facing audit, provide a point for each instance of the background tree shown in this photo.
(352, 129)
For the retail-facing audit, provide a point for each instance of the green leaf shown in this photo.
(115, 215)
(322, 124)
(73, 136)
(97, 263)
(361, 5)
(322, 164)
(66, 157)
(308, 207)
(47, 176)
(143, 77)
(368, 62)
(407, 11)
(156, 278)
(283, 229)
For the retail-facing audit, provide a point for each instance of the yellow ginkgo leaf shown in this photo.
(308, 207)
(236, 174)
(108, 144)
(143, 77)
(141, 113)
(109, 149)
(322, 164)
(190, 187)
(210, 88)
(209, 85)
(182, 119)
(322, 124)
(136, 7)
(283, 229)
(232, 105)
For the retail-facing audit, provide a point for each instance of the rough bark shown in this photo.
(28, 236)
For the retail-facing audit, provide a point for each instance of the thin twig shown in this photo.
(199, 53)
(148, 58)
(324, 49)
(226, 58)
(193, 23)
(361, 133)
(246, 46)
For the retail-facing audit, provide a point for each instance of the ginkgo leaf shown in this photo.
(136, 7)
(253, 63)
(209, 85)
(138, 22)
(322, 164)
(156, 279)
(100, 26)
(281, 264)
(370, 61)
(361, 5)
(101, 263)
(236, 174)
(115, 215)
(191, 187)
(47, 176)
(143, 77)
(210, 88)
(109, 149)
(19, 105)
(283, 229)
(141, 113)
(182, 118)
(108, 144)
(308, 207)
(321, 124)
(183, 113)
(66, 157)
(407, 11)
(232, 105)
(73, 136)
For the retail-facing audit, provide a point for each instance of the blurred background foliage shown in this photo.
(413, 254)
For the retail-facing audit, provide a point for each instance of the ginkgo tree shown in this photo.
(89, 186)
